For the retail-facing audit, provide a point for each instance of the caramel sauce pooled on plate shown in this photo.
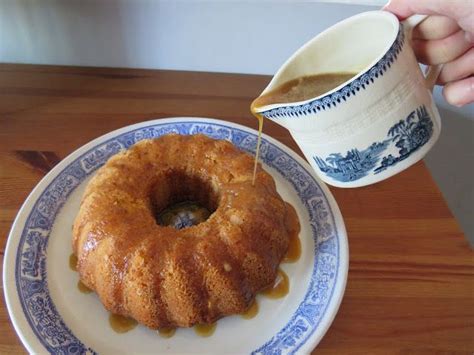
(83, 288)
(121, 324)
(166, 332)
(73, 262)
(205, 330)
(280, 288)
(294, 250)
(251, 312)
(293, 226)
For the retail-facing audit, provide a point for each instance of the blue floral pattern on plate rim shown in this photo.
(30, 266)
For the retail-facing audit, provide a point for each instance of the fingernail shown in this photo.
(387, 4)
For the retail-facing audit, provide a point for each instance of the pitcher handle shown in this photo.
(432, 71)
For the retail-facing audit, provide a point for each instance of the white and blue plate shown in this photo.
(51, 315)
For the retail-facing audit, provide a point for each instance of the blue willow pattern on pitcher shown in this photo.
(344, 93)
(407, 135)
(30, 270)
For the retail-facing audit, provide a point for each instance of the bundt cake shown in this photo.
(167, 277)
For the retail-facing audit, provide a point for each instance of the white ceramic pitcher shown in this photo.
(373, 126)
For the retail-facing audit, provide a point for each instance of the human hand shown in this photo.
(445, 37)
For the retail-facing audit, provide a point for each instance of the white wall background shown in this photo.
(225, 36)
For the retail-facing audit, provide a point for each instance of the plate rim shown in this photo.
(22, 327)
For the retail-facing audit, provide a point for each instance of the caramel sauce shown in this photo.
(299, 89)
(73, 262)
(83, 288)
(205, 330)
(294, 250)
(280, 288)
(251, 312)
(303, 88)
(259, 140)
(293, 226)
(166, 332)
(121, 324)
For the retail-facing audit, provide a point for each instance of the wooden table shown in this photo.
(410, 286)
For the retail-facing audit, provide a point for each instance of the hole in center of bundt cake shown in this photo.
(181, 200)
(183, 214)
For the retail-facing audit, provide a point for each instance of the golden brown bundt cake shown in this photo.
(165, 277)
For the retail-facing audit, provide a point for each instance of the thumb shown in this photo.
(456, 9)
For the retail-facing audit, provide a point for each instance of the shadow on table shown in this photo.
(451, 165)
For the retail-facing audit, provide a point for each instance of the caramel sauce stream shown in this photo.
(259, 139)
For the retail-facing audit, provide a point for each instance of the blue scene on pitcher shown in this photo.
(407, 135)
(354, 165)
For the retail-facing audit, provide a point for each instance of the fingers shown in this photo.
(460, 93)
(453, 8)
(445, 37)
(435, 27)
(459, 68)
(459, 10)
(441, 50)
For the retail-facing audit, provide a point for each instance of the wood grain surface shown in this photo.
(411, 276)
